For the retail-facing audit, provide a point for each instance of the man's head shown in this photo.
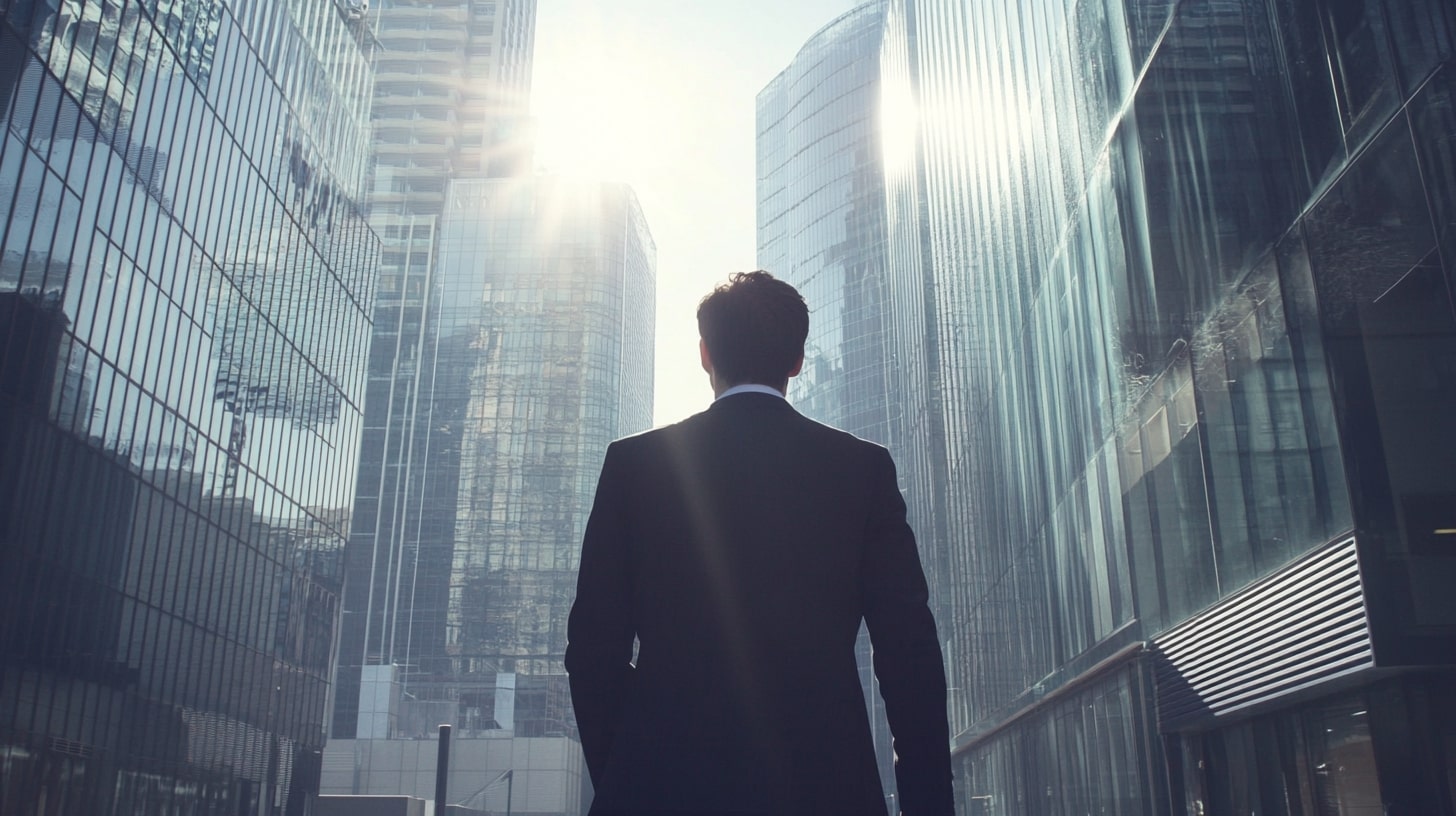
(753, 329)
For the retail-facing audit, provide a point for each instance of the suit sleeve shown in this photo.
(907, 657)
(600, 630)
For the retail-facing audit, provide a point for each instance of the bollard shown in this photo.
(442, 770)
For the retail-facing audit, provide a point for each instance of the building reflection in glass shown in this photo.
(176, 421)
(452, 89)
(1173, 282)
(537, 352)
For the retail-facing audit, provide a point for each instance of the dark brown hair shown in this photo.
(754, 326)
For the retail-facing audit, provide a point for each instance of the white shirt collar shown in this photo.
(750, 388)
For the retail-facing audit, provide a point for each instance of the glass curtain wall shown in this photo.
(185, 280)
(537, 353)
(1188, 273)
(453, 80)
(821, 216)
(544, 356)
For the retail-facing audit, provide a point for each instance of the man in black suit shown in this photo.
(741, 548)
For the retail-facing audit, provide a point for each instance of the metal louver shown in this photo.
(1301, 627)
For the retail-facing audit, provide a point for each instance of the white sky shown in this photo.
(660, 94)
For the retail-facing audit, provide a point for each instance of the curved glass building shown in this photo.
(821, 216)
(185, 280)
(821, 227)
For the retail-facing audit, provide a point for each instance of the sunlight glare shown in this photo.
(600, 110)
(629, 103)
(996, 118)
(899, 123)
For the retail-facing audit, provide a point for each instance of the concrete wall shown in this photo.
(550, 777)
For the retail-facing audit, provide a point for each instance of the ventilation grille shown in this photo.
(1302, 627)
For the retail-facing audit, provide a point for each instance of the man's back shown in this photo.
(742, 547)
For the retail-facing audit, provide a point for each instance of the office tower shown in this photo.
(184, 284)
(821, 215)
(451, 97)
(451, 100)
(821, 227)
(1189, 273)
(538, 352)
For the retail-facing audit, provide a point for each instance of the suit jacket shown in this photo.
(741, 548)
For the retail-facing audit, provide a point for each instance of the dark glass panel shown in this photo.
(1406, 734)
(1306, 69)
(1213, 133)
(1232, 779)
(1273, 470)
(1281, 790)
(12, 159)
(1391, 337)
(1355, 32)
(1342, 758)
(1078, 755)
(1145, 557)
(1190, 573)
(1444, 710)
(1146, 20)
(1165, 501)
(1331, 493)
(1433, 118)
(1424, 35)
(13, 58)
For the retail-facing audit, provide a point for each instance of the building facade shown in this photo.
(821, 216)
(453, 81)
(1180, 279)
(451, 98)
(538, 353)
(184, 287)
(821, 227)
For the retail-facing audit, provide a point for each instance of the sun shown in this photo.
(602, 111)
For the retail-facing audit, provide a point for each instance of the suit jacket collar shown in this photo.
(751, 400)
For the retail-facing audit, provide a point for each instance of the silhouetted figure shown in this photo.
(741, 548)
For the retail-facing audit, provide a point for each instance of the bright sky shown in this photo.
(660, 94)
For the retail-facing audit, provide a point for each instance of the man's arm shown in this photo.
(906, 650)
(600, 630)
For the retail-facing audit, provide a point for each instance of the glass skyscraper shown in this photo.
(451, 97)
(821, 227)
(184, 286)
(1174, 283)
(821, 216)
(450, 100)
(538, 352)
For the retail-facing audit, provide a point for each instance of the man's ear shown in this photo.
(706, 358)
(799, 366)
